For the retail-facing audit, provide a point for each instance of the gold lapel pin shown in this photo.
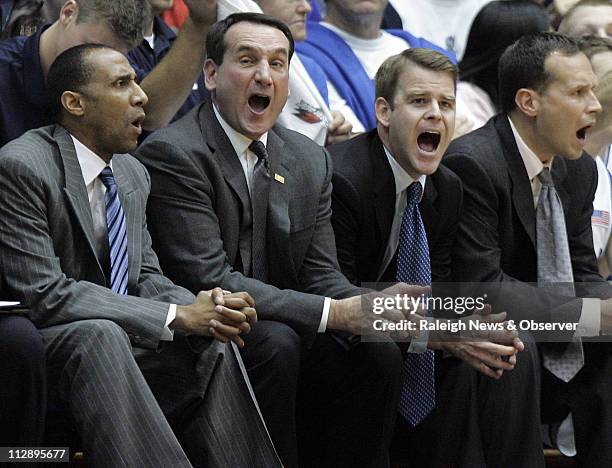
(279, 178)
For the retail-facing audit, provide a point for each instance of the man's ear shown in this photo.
(528, 101)
(383, 111)
(68, 12)
(210, 75)
(73, 103)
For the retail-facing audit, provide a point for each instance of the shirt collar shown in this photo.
(91, 164)
(532, 163)
(239, 142)
(402, 179)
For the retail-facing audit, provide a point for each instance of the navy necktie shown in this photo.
(260, 186)
(418, 394)
(117, 233)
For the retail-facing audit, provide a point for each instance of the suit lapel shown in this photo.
(224, 154)
(559, 173)
(429, 213)
(522, 196)
(279, 223)
(76, 191)
(132, 208)
(384, 194)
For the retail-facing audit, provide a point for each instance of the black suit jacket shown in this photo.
(363, 205)
(198, 203)
(496, 240)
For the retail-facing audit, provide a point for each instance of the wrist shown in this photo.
(334, 321)
(606, 316)
(179, 320)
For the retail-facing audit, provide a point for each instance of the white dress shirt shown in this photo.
(91, 167)
(402, 181)
(248, 159)
(590, 318)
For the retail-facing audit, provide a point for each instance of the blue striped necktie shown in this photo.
(117, 233)
(418, 395)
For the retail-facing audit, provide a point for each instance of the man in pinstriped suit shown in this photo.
(141, 388)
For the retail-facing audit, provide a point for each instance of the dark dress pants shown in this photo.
(23, 390)
(327, 405)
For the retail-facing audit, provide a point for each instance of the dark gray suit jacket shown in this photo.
(47, 255)
(196, 211)
(496, 240)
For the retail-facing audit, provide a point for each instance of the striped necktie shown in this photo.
(117, 233)
(260, 189)
(418, 394)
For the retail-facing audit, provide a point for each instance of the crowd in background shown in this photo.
(340, 52)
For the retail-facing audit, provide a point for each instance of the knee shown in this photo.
(277, 344)
(102, 334)
(384, 360)
(20, 342)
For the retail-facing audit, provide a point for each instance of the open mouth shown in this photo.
(428, 141)
(259, 102)
(137, 123)
(582, 134)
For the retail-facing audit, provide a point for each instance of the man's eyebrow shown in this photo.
(248, 48)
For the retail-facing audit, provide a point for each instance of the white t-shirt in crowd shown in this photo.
(602, 211)
(446, 23)
(371, 53)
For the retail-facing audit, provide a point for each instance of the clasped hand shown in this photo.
(219, 314)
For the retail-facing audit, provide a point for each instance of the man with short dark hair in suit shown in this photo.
(528, 200)
(242, 203)
(374, 175)
(142, 367)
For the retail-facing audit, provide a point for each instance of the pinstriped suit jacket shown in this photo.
(47, 255)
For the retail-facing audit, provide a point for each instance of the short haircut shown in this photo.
(522, 64)
(215, 39)
(564, 25)
(593, 45)
(71, 71)
(389, 72)
(127, 19)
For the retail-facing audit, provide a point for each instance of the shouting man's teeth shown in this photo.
(428, 141)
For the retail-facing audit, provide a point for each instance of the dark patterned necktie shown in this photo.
(418, 394)
(117, 233)
(555, 271)
(260, 187)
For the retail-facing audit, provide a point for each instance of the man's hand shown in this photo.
(489, 351)
(351, 316)
(491, 359)
(339, 129)
(219, 315)
(202, 12)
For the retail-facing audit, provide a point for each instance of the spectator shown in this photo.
(599, 52)
(588, 17)
(445, 23)
(25, 61)
(350, 46)
(158, 41)
(495, 27)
